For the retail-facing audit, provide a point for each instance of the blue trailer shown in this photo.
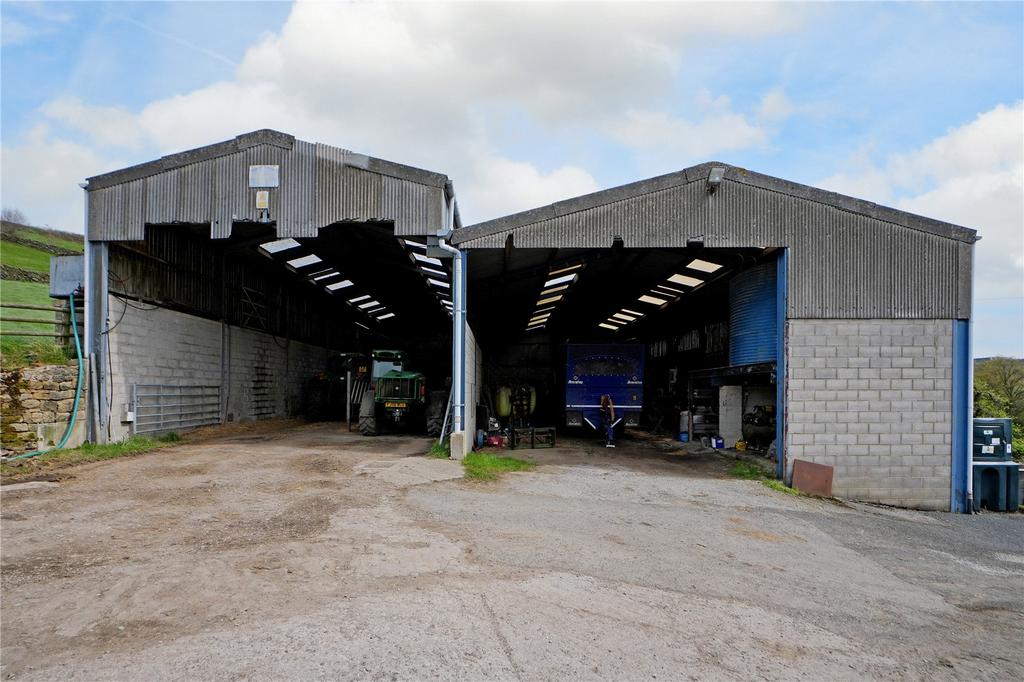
(593, 370)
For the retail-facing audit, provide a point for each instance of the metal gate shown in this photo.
(160, 407)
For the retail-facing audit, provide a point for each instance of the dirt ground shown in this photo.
(306, 552)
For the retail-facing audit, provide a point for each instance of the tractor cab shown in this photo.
(385, 361)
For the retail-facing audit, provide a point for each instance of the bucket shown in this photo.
(684, 436)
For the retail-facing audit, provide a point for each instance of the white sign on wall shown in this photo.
(263, 176)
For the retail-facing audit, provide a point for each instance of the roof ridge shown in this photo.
(732, 173)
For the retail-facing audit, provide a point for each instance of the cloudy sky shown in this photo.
(917, 106)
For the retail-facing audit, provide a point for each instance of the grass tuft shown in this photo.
(487, 466)
(87, 452)
(746, 471)
(440, 450)
(779, 486)
(170, 437)
(752, 472)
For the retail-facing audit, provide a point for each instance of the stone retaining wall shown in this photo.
(35, 405)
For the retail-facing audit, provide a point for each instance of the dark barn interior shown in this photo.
(526, 305)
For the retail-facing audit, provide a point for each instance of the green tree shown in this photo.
(999, 392)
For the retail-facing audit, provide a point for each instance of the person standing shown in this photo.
(608, 419)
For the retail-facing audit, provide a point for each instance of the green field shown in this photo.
(70, 242)
(24, 257)
(20, 351)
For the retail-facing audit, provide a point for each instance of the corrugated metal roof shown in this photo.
(849, 258)
(319, 185)
(697, 175)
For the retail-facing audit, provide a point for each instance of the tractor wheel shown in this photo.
(367, 415)
(437, 401)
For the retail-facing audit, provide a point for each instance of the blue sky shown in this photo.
(912, 105)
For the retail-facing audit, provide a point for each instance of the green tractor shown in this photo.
(398, 398)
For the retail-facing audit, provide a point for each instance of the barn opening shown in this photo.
(260, 278)
(693, 333)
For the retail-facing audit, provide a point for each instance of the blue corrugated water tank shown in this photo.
(752, 316)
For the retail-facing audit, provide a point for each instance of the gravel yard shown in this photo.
(307, 552)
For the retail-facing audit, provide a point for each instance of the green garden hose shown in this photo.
(78, 390)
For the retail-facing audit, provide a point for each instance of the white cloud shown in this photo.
(498, 182)
(971, 176)
(677, 137)
(22, 23)
(445, 86)
(429, 84)
(107, 126)
(775, 106)
(40, 175)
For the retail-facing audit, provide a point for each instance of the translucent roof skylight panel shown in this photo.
(545, 301)
(670, 290)
(425, 259)
(304, 261)
(608, 326)
(343, 284)
(624, 318)
(376, 310)
(357, 299)
(686, 280)
(385, 317)
(704, 265)
(279, 245)
(568, 268)
(535, 328)
(560, 280)
(369, 304)
(325, 275)
(544, 310)
(632, 312)
(646, 298)
(432, 271)
(439, 283)
(415, 245)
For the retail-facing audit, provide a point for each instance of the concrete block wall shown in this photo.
(267, 374)
(160, 346)
(873, 399)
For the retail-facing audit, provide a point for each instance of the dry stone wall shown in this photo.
(35, 406)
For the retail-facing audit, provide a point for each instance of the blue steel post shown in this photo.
(960, 467)
(780, 364)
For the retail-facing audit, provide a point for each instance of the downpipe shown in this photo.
(458, 320)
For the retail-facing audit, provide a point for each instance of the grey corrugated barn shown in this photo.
(231, 275)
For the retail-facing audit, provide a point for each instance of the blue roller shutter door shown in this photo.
(753, 322)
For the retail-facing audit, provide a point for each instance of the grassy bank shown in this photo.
(22, 351)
